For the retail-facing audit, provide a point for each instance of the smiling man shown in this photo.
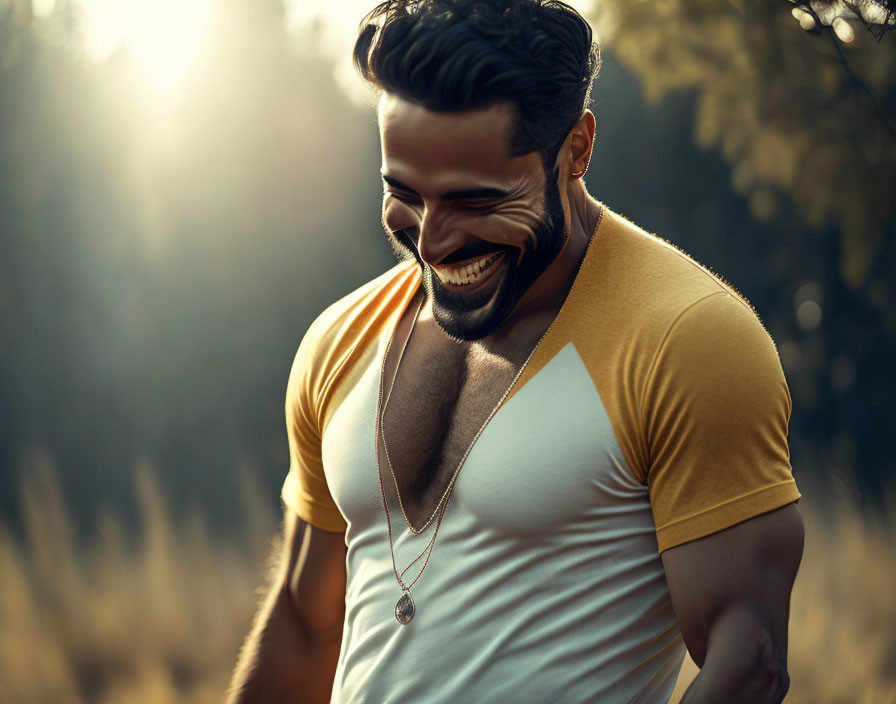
(547, 451)
(513, 205)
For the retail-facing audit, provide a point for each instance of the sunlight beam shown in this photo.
(161, 35)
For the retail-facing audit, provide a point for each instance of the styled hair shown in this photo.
(452, 55)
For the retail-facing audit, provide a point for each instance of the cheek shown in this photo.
(398, 215)
(514, 226)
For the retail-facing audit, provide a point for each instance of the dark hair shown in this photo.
(467, 54)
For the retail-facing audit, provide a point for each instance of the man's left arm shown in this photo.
(731, 593)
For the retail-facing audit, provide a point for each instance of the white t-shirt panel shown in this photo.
(544, 584)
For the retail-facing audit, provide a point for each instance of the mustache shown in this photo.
(409, 237)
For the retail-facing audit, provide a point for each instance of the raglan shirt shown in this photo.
(653, 412)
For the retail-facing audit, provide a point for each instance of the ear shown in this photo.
(579, 145)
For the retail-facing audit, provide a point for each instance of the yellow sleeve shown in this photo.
(717, 409)
(305, 489)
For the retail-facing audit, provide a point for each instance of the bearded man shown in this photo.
(547, 451)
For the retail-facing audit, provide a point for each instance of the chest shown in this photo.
(438, 396)
(547, 463)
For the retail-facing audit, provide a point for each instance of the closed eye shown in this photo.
(468, 205)
(477, 207)
(405, 198)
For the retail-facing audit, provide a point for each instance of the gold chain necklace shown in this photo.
(385, 405)
(405, 608)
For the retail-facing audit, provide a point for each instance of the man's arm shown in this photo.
(731, 593)
(291, 652)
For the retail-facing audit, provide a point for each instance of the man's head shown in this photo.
(478, 98)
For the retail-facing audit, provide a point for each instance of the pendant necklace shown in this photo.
(406, 608)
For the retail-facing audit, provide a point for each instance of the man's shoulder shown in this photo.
(687, 320)
(641, 299)
(657, 265)
(655, 280)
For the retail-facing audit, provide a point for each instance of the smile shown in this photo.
(469, 274)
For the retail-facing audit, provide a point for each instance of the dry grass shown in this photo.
(161, 620)
(154, 622)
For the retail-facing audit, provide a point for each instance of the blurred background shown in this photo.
(185, 185)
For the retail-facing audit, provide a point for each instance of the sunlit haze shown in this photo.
(163, 36)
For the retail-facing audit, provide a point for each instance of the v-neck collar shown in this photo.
(535, 358)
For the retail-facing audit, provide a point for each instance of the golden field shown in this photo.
(159, 618)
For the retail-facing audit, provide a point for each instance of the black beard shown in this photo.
(471, 316)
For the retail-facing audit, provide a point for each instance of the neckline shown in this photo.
(417, 289)
(413, 267)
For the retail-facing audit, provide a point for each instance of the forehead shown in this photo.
(471, 144)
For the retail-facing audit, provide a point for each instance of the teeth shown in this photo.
(466, 274)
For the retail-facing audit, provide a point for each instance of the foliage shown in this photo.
(785, 113)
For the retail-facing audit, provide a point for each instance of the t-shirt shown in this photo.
(653, 412)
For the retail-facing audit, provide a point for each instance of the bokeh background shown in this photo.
(185, 185)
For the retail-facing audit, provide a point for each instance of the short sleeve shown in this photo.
(717, 409)
(305, 489)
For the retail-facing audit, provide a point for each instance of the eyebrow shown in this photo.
(462, 194)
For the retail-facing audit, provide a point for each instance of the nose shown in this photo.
(438, 237)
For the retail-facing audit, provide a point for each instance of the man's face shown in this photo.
(483, 226)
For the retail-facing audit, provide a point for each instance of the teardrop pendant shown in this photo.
(405, 609)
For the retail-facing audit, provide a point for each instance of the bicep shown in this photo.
(315, 575)
(738, 580)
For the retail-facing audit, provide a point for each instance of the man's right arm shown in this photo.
(291, 652)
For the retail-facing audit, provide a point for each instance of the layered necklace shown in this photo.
(405, 608)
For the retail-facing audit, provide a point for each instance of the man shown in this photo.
(547, 451)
